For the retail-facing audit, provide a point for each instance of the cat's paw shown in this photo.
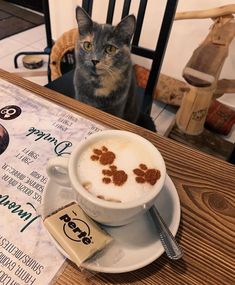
(145, 174)
(103, 155)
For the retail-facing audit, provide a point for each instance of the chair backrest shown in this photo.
(155, 55)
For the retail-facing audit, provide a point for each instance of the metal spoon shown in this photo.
(168, 241)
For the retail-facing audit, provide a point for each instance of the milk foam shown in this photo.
(129, 155)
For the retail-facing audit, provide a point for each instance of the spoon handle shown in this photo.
(168, 241)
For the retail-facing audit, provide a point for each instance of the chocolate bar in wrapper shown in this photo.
(76, 233)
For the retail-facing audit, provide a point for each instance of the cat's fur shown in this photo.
(102, 80)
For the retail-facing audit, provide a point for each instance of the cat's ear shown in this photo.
(126, 28)
(84, 21)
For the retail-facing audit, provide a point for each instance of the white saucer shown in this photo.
(137, 244)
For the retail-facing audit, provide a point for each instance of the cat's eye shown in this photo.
(87, 46)
(110, 49)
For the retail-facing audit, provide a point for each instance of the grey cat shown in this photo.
(104, 75)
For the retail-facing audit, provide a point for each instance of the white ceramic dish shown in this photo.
(135, 245)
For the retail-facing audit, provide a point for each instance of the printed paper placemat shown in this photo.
(32, 130)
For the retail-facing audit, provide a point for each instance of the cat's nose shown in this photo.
(95, 61)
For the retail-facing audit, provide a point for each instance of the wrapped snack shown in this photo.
(78, 235)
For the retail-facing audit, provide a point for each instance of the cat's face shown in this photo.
(103, 48)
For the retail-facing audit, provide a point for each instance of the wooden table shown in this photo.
(206, 187)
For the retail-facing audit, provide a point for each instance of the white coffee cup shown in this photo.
(87, 173)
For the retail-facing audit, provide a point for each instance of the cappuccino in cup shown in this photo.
(118, 170)
(116, 175)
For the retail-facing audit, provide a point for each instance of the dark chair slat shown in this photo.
(126, 8)
(109, 19)
(87, 6)
(139, 22)
(167, 21)
(144, 52)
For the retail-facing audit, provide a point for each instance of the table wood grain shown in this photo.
(206, 187)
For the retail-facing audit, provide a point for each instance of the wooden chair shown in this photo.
(155, 55)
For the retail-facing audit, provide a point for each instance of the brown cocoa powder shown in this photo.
(107, 158)
(143, 166)
(140, 179)
(106, 180)
(145, 174)
(104, 156)
(138, 172)
(119, 177)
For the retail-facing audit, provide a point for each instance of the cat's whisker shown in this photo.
(110, 73)
(108, 69)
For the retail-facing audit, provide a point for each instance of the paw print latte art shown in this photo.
(117, 177)
(118, 170)
(145, 174)
(103, 155)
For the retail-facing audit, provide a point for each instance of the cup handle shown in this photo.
(57, 169)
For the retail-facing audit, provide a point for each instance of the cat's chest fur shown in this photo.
(108, 93)
(108, 84)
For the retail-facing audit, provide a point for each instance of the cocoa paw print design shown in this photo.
(145, 174)
(103, 155)
(117, 177)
